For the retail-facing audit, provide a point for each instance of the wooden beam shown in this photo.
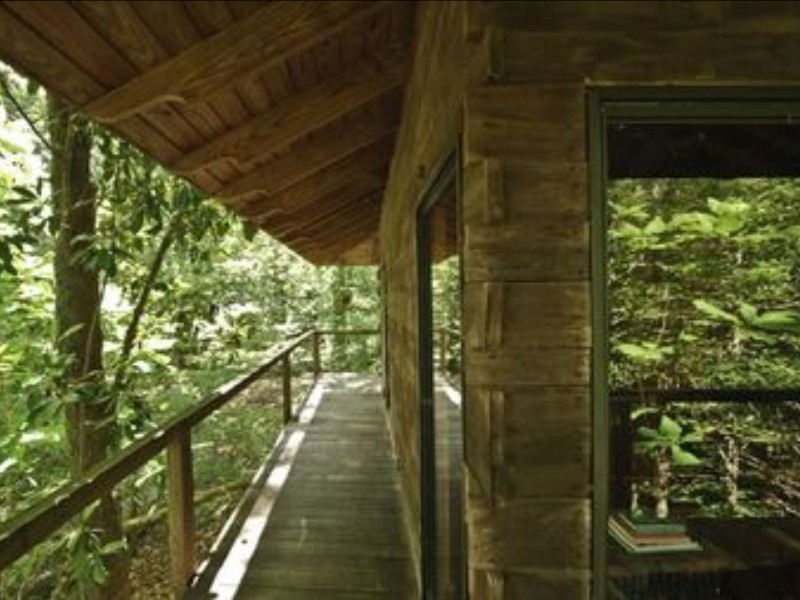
(180, 505)
(369, 164)
(313, 205)
(329, 252)
(362, 222)
(297, 116)
(333, 144)
(358, 219)
(357, 253)
(241, 51)
(352, 193)
(23, 48)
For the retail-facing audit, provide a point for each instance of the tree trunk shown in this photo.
(90, 411)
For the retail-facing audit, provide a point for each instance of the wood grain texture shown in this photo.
(705, 57)
(28, 52)
(360, 164)
(180, 510)
(62, 25)
(550, 584)
(250, 46)
(525, 121)
(546, 446)
(297, 116)
(535, 366)
(430, 126)
(349, 199)
(531, 315)
(542, 231)
(549, 534)
(336, 528)
(307, 157)
(338, 237)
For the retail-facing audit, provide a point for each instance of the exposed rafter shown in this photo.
(240, 51)
(297, 116)
(356, 193)
(309, 156)
(354, 231)
(23, 48)
(359, 165)
(285, 111)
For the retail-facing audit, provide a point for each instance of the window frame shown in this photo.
(612, 105)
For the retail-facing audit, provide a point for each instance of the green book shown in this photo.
(648, 524)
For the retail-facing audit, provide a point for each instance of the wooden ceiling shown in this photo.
(284, 111)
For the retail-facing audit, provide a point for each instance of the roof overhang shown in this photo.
(286, 112)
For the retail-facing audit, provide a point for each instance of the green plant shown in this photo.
(665, 446)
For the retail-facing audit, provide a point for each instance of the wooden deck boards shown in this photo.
(335, 530)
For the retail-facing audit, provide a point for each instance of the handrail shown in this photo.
(34, 525)
(445, 334)
(700, 395)
(348, 331)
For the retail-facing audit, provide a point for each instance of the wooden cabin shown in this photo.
(336, 127)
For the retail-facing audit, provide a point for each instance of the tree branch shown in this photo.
(141, 303)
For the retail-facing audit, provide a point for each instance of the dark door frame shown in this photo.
(618, 105)
(446, 173)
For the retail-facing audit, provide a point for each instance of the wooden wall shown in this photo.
(443, 59)
(526, 248)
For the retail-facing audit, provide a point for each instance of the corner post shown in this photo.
(315, 351)
(180, 494)
(287, 387)
(443, 340)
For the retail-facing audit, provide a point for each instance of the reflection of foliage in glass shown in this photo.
(704, 279)
(447, 311)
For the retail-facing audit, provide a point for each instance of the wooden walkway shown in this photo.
(335, 530)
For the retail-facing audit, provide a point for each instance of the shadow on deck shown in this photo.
(324, 520)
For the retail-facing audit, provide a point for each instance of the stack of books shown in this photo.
(641, 535)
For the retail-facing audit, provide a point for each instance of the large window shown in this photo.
(697, 361)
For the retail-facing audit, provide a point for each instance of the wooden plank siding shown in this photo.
(527, 234)
(521, 89)
(431, 124)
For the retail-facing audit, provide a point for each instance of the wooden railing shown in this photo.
(445, 335)
(22, 533)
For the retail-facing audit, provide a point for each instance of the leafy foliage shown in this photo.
(191, 298)
(703, 278)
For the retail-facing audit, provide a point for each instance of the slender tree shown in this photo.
(90, 410)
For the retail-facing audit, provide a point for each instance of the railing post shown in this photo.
(315, 353)
(443, 339)
(287, 387)
(180, 498)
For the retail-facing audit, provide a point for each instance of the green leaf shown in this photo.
(7, 464)
(114, 547)
(779, 321)
(648, 434)
(682, 458)
(669, 428)
(749, 312)
(70, 332)
(655, 226)
(249, 229)
(693, 438)
(712, 311)
(646, 352)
